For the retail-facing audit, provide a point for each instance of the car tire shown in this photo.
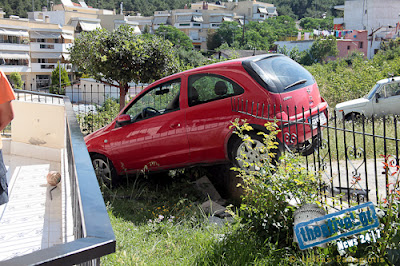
(311, 147)
(253, 156)
(104, 169)
(356, 117)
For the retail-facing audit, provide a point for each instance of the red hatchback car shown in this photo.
(185, 119)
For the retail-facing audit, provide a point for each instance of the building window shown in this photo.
(197, 24)
(361, 45)
(46, 46)
(40, 40)
(42, 60)
(348, 47)
(184, 24)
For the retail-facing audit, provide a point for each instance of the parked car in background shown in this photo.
(185, 119)
(383, 99)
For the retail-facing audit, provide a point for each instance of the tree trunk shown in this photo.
(122, 93)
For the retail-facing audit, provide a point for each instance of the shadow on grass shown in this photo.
(139, 198)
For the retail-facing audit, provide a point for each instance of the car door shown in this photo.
(209, 115)
(388, 99)
(155, 138)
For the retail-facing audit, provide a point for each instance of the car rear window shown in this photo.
(280, 74)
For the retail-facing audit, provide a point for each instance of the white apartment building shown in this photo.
(33, 48)
(378, 17)
(204, 17)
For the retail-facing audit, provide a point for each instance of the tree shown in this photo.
(178, 38)
(119, 57)
(16, 80)
(190, 58)
(229, 31)
(55, 80)
(320, 49)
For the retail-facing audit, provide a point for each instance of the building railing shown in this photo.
(94, 236)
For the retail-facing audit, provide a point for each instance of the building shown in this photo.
(33, 48)
(378, 17)
(203, 17)
(353, 41)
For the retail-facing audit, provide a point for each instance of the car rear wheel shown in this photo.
(248, 155)
(356, 117)
(104, 169)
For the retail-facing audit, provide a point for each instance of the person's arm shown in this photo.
(6, 114)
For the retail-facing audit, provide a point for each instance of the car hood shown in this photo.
(352, 104)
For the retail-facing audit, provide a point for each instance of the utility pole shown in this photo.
(59, 74)
(244, 29)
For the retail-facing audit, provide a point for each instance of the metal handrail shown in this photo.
(93, 232)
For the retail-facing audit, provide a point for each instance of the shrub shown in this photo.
(271, 194)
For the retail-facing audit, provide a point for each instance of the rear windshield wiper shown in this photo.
(301, 81)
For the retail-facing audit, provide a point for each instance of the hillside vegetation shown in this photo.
(294, 8)
(353, 77)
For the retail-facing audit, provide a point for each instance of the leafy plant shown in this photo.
(57, 75)
(16, 80)
(270, 193)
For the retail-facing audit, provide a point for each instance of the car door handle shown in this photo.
(175, 125)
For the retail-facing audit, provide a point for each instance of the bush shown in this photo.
(271, 194)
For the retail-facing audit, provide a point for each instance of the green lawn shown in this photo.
(157, 221)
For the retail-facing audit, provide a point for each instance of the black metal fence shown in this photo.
(357, 157)
(93, 234)
(350, 155)
(95, 104)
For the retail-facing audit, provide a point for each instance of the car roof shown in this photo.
(232, 62)
(389, 80)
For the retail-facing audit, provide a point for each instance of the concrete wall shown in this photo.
(371, 14)
(302, 45)
(39, 124)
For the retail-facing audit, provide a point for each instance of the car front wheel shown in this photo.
(104, 169)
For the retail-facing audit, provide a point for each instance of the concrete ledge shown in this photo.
(32, 151)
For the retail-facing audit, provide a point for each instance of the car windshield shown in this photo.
(372, 92)
(282, 74)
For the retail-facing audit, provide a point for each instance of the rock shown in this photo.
(214, 209)
(207, 188)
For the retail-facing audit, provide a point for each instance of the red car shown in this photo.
(185, 119)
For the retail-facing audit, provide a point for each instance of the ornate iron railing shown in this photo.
(352, 155)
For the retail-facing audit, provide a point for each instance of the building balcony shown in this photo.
(50, 47)
(14, 47)
(65, 224)
(15, 68)
(259, 17)
(49, 67)
(188, 25)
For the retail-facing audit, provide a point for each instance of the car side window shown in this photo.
(203, 88)
(157, 101)
(392, 89)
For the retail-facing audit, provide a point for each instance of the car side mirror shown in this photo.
(123, 120)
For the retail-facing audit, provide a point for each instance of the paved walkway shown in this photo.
(32, 219)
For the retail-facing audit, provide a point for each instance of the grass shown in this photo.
(157, 221)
